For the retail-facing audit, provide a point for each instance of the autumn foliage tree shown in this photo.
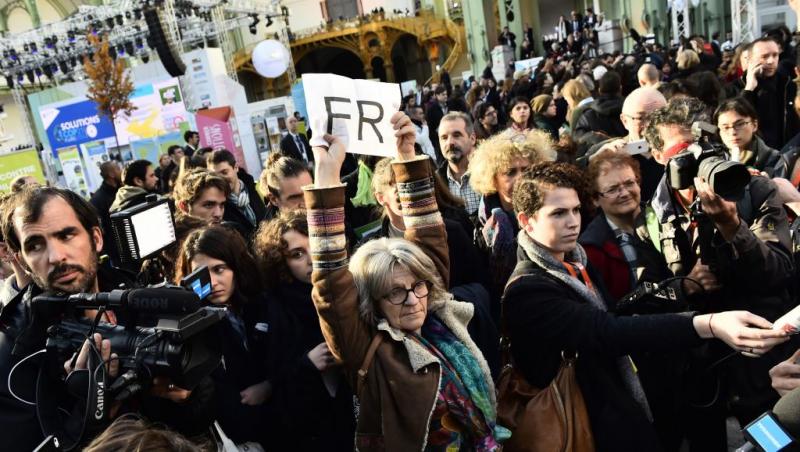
(110, 85)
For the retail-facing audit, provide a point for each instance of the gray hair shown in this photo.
(372, 267)
(458, 115)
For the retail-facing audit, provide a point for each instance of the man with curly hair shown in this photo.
(749, 265)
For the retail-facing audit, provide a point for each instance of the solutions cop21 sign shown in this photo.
(75, 124)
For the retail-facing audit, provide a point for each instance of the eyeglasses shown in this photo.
(616, 190)
(399, 295)
(641, 118)
(737, 126)
(490, 113)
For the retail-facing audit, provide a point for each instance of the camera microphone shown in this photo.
(775, 430)
(145, 300)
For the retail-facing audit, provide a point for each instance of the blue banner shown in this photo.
(299, 99)
(75, 124)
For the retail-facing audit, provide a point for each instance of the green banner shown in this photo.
(22, 163)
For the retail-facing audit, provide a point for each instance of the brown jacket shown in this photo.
(400, 390)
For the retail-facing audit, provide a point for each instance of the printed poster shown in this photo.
(21, 163)
(72, 167)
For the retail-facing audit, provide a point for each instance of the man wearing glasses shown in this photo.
(638, 106)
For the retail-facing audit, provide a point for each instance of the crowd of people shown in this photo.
(366, 296)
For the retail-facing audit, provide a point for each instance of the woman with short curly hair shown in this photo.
(495, 167)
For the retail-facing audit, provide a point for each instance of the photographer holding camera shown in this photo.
(728, 235)
(57, 236)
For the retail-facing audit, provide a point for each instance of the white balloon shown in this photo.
(270, 58)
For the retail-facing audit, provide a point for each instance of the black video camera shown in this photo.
(163, 332)
(709, 161)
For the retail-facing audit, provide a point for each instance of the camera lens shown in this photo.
(728, 179)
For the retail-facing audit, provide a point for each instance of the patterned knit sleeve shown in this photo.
(334, 293)
(424, 224)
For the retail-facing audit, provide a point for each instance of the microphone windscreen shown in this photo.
(787, 410)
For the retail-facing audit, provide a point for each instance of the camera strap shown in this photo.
(85, 391)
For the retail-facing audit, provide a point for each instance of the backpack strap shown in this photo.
(364, 369)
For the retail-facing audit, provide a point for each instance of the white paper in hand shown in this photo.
(357, 111)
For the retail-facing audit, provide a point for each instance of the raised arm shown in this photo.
(335, 295)
(424, 224)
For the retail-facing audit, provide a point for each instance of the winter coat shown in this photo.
(602, 118)
(401, 384)
(128, 196)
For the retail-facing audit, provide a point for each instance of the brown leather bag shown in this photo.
(551, 419)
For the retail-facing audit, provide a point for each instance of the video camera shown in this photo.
(164, 332)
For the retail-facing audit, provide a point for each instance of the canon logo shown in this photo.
(98, 413)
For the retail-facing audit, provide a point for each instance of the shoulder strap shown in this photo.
(364, 369)
(653, 226)
(524, 268)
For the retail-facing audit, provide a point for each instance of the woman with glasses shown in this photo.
(738, 126)
(555, 306)
(421, 382)
(495, 167)
(316, 402)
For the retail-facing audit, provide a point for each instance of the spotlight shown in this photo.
(253, 29)
(127, 15)
(26, 47)
(145, 57)
(10, 81)
(129, 47)
(121, 49)
(73, 61)
(71, 36)
(110, 23)
(33, 48)
(269, 21)
(139, 43)
(118, 18)
(137, 14)
(29, 74)
(48, 43)
(20, 77)
(63, 66)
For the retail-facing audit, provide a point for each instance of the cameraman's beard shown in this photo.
(84, 282)
(454, 154)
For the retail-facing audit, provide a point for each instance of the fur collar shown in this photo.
(456, 316)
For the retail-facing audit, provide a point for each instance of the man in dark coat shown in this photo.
(295, 144)
(192, 139)
(603, 117)
(244, 205)
(772, 94)
(104, 197)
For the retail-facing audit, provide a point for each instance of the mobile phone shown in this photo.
(637, 147)
(199, 282)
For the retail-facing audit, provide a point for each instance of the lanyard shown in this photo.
(583, 277)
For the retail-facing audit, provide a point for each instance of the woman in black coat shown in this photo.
(553, 305)
(316, 401)
(253, 335)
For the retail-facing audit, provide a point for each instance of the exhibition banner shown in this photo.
(146, 149)
(75, 124)
(94, 153)
(72, 167)
(217, 128)
(22, 163)
(159, 110)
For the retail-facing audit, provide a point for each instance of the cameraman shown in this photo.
(749, 247)
(57, 236)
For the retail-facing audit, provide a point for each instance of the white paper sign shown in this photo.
(358, 111)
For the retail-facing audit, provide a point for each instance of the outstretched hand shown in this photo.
(406, 135)
(328, 161)
(743, 331)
